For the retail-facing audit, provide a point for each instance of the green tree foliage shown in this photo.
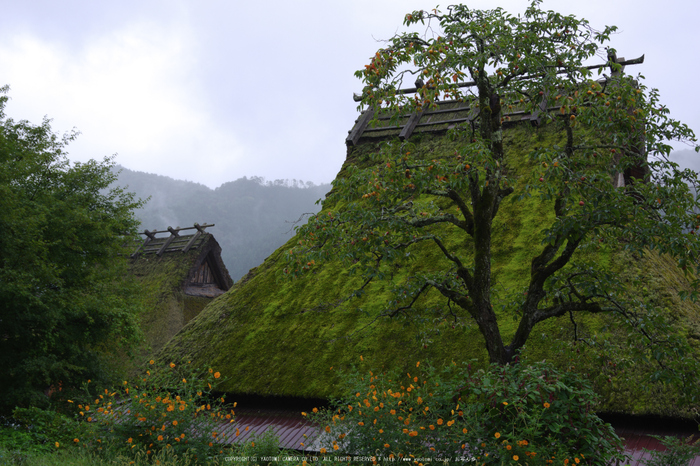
(64, 301)
(613, 128)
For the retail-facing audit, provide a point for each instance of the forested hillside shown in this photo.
(253, 217)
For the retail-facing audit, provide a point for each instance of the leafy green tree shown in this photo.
(608, 180)
(65, 304)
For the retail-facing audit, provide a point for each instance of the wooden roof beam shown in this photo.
(359, 128)
(410, 125)
(173, 234)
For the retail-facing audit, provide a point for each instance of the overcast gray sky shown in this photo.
(211, 91)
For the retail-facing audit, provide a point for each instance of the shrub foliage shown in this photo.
(520, 414)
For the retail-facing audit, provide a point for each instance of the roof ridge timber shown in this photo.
(453, 112)
(164, 244)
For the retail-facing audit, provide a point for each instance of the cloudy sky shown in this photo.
(214, 90)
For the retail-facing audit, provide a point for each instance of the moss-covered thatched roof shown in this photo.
(275, 336)
(178, 282)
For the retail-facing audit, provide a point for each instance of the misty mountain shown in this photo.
(253, 217)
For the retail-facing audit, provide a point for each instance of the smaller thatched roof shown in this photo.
(199, 253)
(179, 274)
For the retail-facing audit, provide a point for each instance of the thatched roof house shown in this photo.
(180, 274)
(290, 337)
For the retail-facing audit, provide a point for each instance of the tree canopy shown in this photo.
(65, 303)
(607, 180)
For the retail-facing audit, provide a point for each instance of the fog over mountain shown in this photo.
(687, 158)
(253, 217)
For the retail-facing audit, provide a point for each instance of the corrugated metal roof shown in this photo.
(298, 433)
(637, 438)
(294, 431)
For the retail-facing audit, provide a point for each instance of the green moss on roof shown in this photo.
(166, 306)
(274, 336)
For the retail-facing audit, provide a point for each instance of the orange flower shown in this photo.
(174, 423)
(577, 460)
(386, 445)
(360, 423)
(151, 362)
(418, 364)
(546, 405)
(439, 422)
(172, 365)
(497, 435)
(464, 431)
(217, 375)
(315, 410)
(515, 457)
(160, 438)
(323, 451)
(432, 427)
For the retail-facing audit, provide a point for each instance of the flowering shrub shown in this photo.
(169, 409)
(514, 414)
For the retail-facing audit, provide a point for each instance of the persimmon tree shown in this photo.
(610, 180)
